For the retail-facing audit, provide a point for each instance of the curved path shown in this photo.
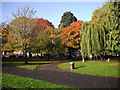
(51, 73)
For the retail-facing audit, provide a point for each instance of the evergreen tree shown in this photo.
(67, 19)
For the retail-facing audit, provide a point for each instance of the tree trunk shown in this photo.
(25, 56)
(30, 55)
(48, 57)
(41, 56)
(70, 53)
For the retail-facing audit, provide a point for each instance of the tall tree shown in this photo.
(46, 42)
(21, 27)
(101, 34)
(84, 38)
(38, 28)
(109, 20)
(5, 37)
(67, 19)
(113, 35)
(92, 39)
(70, 36)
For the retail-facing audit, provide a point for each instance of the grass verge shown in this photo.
(14, 81)
(31, 65)
(101, 68)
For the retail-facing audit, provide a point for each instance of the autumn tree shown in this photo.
(21, 27)
(5, 31)
(7, 38)
(44, 39)
(71, 36)
(57, 39)
(39, 26)
(42, 24)
(4, 34)
(47, 43)
(67, 19)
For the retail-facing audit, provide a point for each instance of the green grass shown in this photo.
(31, 65)
(101, 68)
(21, 82)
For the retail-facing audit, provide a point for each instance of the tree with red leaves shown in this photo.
(42, 24)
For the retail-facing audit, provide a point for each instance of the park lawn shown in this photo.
(21, 82)
(31, 65)
(101, 68)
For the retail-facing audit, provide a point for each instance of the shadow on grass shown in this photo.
(79, 67)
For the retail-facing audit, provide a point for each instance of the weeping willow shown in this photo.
(103, 33)
(92, 39)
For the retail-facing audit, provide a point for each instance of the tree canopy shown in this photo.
(41, 24)
(101, 34)
(21, 29)
(71, 34)
(67, 19)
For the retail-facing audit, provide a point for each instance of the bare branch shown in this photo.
(26, 12)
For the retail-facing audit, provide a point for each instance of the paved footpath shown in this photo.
(51, 73)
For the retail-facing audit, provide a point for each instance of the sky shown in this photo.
(52, 11)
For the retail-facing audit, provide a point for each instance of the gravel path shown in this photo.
(51, 73)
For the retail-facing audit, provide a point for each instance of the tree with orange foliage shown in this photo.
(70, 36)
